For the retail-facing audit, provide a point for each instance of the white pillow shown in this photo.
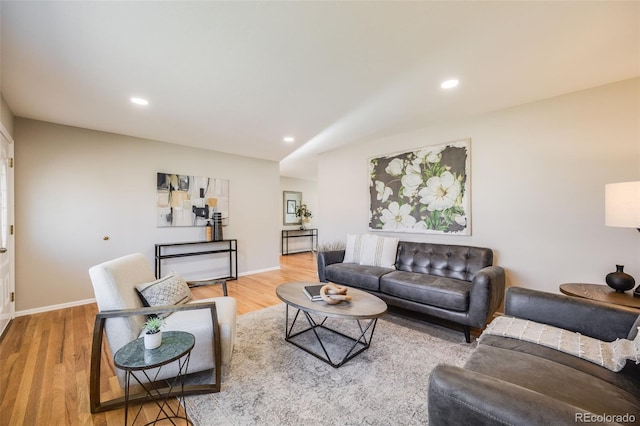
(353, 249)
(379, 251)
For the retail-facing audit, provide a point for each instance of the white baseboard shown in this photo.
(54, 307)
(87, 301)
(257, 271)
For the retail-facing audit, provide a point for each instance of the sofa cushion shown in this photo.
(553, 379)
(450, 261)
(626, 379)
(431, 290)
(356, 275)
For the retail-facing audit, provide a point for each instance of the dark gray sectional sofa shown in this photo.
(452, 282)
(511, 382)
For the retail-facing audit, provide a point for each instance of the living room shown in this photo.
(539, 166)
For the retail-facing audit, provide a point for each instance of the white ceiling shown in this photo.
(237, 77)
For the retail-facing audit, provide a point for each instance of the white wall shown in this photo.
(75, 186)
(309, 189)
(537, 184)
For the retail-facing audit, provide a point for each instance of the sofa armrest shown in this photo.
(458, 396)
(487, 293)
(598, 320)
(326, 258)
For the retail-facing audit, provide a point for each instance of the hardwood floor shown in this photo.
(44, 358)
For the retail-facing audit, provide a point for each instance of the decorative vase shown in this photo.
(152, 341)
(619, 280)
(217, 227)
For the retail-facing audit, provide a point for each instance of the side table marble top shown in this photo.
(133, 355)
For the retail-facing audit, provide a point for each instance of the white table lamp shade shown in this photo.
(622, 204)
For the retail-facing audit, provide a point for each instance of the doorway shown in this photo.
(7, 259)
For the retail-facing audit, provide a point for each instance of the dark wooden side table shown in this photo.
(601, 293)
(133, 357)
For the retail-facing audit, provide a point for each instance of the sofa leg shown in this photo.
(467, 333)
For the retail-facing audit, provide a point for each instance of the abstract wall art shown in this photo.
(425, 190)
(191, 200)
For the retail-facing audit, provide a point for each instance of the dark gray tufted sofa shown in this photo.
(510, 382)
(451, 282)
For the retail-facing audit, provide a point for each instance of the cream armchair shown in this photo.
(121, 317)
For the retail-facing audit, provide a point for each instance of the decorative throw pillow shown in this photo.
(353, 249)
(169, 290)
(379, 251)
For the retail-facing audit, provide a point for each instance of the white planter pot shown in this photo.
(152, 341)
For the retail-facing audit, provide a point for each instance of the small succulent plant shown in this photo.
(153, 324)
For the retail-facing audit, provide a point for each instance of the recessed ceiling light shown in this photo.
(139, 101)
(449, 84)
(288, 139)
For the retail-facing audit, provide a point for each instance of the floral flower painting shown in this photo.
(424, 190)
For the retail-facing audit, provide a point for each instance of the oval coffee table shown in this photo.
(318, 339)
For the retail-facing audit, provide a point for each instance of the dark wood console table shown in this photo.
(298, 233)
(601, 293)
(222, 246)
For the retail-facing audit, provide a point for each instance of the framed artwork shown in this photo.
(291, 206)
(425, 190)
(292, 199)
(184, 200)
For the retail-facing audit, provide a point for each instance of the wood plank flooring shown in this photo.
(44, 358)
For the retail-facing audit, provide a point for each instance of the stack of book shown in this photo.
(313, 292)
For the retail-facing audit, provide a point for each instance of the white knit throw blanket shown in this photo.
(611, 355)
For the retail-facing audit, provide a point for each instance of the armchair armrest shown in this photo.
(97, 406)
(458, 396)
(326, 258)
(487, 293)
(598, 320)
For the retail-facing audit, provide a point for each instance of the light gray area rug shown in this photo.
(272, 382)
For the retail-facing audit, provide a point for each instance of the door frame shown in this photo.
(10, 237)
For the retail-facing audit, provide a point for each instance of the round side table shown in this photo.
(601, 293)
(133, 357)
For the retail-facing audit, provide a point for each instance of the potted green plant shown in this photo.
(153, 334)
(305, 214)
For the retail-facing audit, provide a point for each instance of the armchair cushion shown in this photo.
(169, 290)
(198, 323)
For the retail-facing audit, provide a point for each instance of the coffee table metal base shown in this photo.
(358, 344)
